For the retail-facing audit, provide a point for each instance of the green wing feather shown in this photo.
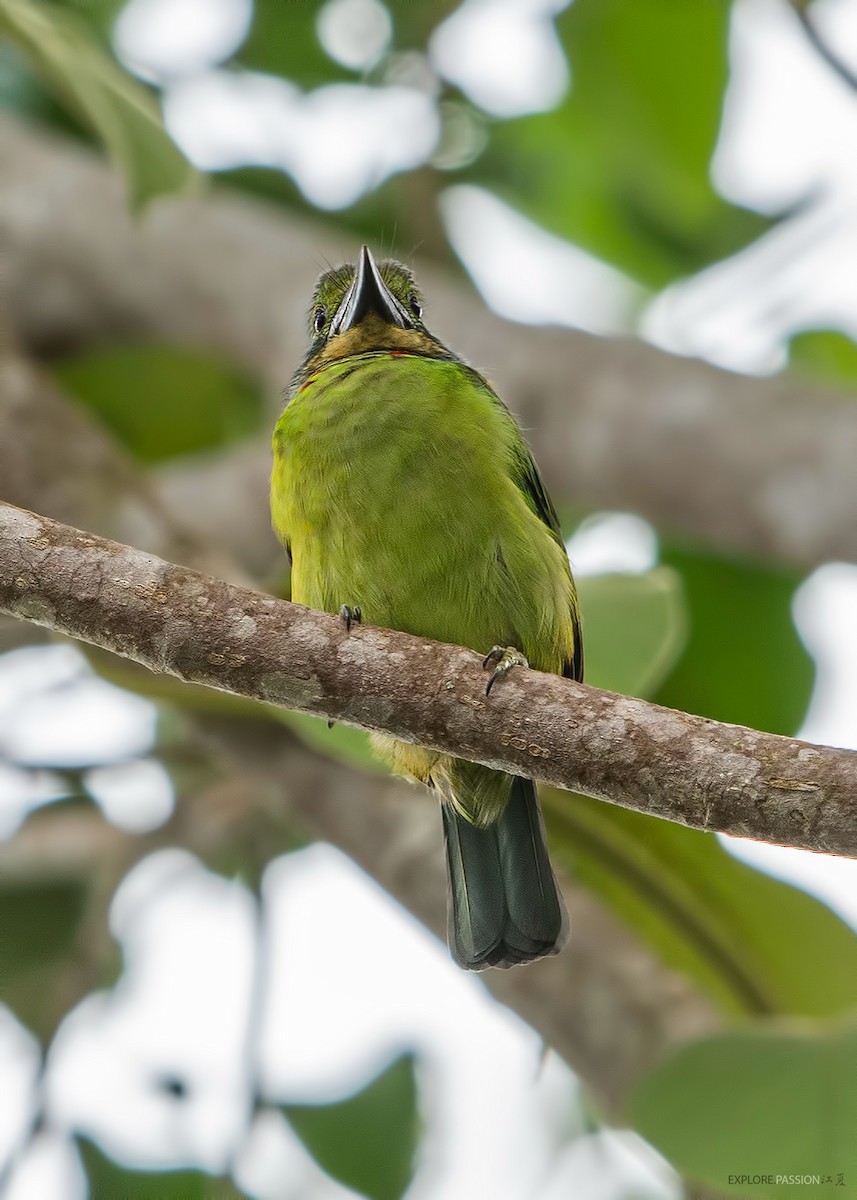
(528, 479)
(530, 482)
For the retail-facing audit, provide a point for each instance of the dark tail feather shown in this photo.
(504, 903)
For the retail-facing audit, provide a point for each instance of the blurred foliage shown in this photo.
(39, 926)
(116, 107)
(283, 41)
(744, 662)
(764, 1100)
(621, 166)
(367, 1142)
(37, 923)
(109, 1181)
(161, 401)
(635, 629)
(753, 944)
(22, 92)
(825, 354)
(339, 741)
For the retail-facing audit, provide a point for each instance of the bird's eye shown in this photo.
(416, 307)
(319, 317)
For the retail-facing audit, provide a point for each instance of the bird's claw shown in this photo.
(503, 659)
(351, 616)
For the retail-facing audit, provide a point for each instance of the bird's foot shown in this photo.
(351, 616)
(502, 658)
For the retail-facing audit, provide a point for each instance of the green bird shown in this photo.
(406, 496)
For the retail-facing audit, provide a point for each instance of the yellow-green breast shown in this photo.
(394, 486)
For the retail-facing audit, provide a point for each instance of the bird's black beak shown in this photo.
(368, 295)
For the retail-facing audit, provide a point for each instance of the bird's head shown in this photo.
(370, 307)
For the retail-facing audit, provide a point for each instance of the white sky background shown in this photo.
(498, 1122)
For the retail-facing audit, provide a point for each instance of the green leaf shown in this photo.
(38, 922)
(119, 110)
(99, 15)
(413, 24)
(22, 93)
(760, 1101)
(368, 1141)
(162, 401)
(753, 944)
(825, 354)
(107, 1181)
(744, 662)
(622, 166)
(634, 629)
(282, 40)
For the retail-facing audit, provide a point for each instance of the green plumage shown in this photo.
(402, 485)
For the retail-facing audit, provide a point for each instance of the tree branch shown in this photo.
(685, 768)
(753, 465)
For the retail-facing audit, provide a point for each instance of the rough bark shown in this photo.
(749, 465)
(669, 764)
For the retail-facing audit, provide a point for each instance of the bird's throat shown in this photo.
(373, 334)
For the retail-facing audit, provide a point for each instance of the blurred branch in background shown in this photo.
(729, 460)
(668, 764)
